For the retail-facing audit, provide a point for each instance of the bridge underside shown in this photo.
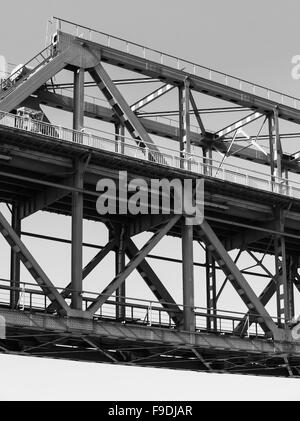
(102, 341)
(54, 169)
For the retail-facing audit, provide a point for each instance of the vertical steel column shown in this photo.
(292, 269)
(184, 122)
(78, 114)
(275, 151)
(77, 230)
(271, 146)
(188, 277)
(120, 265)
(14, 259)
(283, 308)
(77, 198)
(278, 149)
(211, 293)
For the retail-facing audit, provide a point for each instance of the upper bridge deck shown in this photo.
(172, 69)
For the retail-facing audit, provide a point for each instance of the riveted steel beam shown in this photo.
(35, 81)
(188, 276)
(15, 258)
(77, 233)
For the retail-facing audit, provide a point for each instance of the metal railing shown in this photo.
(134, 310)
(24, 72)
(174, 62)
(164, 156)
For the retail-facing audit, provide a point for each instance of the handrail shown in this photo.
(27, 301)
(8, 83)
(161, 58)
(191, 162)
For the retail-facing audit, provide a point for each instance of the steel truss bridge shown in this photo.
(55, 168)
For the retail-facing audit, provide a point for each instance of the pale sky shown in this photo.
(255, 40)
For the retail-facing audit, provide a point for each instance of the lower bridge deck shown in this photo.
(39, 334)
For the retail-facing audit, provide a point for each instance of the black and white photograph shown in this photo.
(149, 204)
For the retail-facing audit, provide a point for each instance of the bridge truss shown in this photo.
(252, 210)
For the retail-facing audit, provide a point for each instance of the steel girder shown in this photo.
(43, 199)
(184, 118)
(120, 235)
(15, 258)
(275, 148)
(77, 234)
(120, 106)
(211, 293)
(36, 80)
(189, 321)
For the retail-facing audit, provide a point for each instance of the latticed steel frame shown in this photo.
(65, 323)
